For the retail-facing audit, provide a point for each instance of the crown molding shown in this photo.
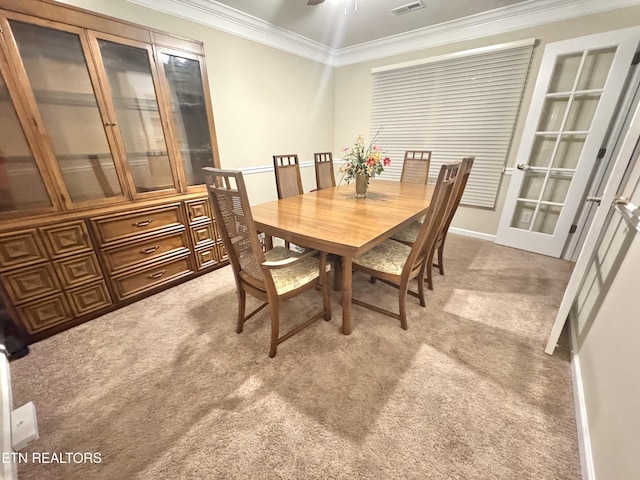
(502, 20)
(226, 19)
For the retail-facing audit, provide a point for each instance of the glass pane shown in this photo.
(542, 150)
(134, 98)
(190, 115)
(60, 80)
(546, 219)
(564, 73)
(523, 215)
(581, 113)
(557, 187)
(532, 185)
(552, 114)
(596, 68)
(21, 185)
(569, 151)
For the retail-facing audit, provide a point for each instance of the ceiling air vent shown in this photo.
(409, 7)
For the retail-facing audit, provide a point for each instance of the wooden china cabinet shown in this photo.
(104, 129)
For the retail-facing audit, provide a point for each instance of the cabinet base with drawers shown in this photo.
(58, 274)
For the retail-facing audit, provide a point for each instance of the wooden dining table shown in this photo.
(334, 221)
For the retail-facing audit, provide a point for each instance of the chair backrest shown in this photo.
(288, 180)
(456, 196)
(415, 168)
(433, 220)
(228, 196)
(325, 176)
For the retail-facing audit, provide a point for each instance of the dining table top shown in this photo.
(333, 220)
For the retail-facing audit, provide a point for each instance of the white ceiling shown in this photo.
(324, 33)
(328, 24)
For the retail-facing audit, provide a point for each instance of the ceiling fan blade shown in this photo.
(315, 2)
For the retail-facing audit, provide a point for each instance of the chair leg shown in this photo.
(242, 302)
(440, 258)
(324, 284)
(421, 290)
(275, 328)
(403, 306)
(427, 268)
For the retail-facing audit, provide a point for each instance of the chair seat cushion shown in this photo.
(388, 257)
(296, 275)
(409, 234)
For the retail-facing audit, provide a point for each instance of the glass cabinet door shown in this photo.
(188, 106)
(21, 184)
(132, 92)
(56, 67)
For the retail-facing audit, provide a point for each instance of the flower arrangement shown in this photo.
(363, 160)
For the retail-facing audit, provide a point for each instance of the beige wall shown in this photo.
(265, 101)
(353, 88)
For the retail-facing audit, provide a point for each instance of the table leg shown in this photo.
(346, 294)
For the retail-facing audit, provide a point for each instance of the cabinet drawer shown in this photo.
(121, 258)
(21, 248)
(222, 252)
(131, 284)
(30, 283)
(45, 313)
(202, 234)
(207, 257)
(123, 226)
(67, 238)
(78, 269)
(89, 298)
(198, 210)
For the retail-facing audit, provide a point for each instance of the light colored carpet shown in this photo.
(165, 388)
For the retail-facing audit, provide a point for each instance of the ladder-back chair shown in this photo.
(325, 176)
(415, 167)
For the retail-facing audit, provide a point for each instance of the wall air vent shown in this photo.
(409, 7)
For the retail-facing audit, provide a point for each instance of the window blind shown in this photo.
(458, 105)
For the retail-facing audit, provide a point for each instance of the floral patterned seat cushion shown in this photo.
(409, 234)
(298, 274)
(388, 257)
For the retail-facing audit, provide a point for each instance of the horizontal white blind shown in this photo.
(459, 106)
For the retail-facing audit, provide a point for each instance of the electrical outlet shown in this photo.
(525, 217)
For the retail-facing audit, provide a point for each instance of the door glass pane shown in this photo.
(546, 219)
(60, 80)
(21, 185)
(552, 114)
(542, 150)
(581, 113)
(523, 215)
(596, 68)
(564, 73)
(532, 185)
(557, 187)
(190, 115)
(134, 99)
(569, 151)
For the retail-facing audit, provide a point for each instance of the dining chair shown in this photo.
(410, 233)
(396, 263)
(272, 276)
(415, 167)
(288, 179)
(325, 175)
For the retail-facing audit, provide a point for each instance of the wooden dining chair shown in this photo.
(410, 233)
(288, 179)
(415, 167)
(396, 263)
(272, 276)
(325, 175)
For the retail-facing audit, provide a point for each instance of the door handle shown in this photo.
(522, 166)
(594, 199)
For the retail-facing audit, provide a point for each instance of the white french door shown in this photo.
(578, 86)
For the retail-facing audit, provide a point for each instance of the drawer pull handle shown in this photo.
(142, 224)
(150, 249)
(158, 274)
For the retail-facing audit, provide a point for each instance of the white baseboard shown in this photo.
(584, 440)
(471, 233)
